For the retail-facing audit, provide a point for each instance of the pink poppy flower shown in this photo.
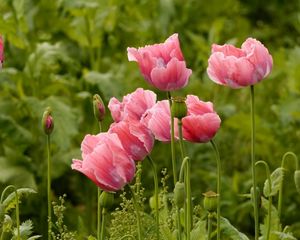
(201, 122)
(133, 106)
(239, 67)
(162, 65)
(135, 137)
(105, 162)
(1, 52)
(157, 119)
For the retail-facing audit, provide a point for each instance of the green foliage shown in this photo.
(276, 179)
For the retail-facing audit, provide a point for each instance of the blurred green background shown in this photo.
(59, 53)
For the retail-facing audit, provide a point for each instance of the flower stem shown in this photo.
(99, 212)
(156, 195)
(209, 225)
(188, 213)
(17, 215)
(269, 197)
(255, 203)
(172, 141)
(49, 187)
(218, 188)
(103, 224)
(279, 208)
(138, 217)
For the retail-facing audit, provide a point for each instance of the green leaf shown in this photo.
(10, 201)
(230, 232)
(199, 231)
(276, 179)
(26, 229)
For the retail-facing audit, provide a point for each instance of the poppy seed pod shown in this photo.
(210, 201)
(47, 121)
(179, 194)
(179, 108)
(106, 200)
(99, 108)
(297, 180)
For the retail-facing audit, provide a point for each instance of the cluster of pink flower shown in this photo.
(108, 158)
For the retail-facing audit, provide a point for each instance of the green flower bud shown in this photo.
(210, 201)
(152, 202)
(179, 108)
(99, 108)
(297, 180)
(106, 200)
(179, 194)
(47, 121)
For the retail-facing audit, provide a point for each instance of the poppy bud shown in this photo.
(47, 121)
(179, 108)
(1, 51)
(106, 200)
(210, 201)
(99, 108)
(297, 180)
(179, 194)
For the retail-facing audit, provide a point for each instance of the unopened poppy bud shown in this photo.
(210, 201)
(47, 121)
(1, 52)
(152, 202)
(179, 108)
(179, 195)
(106, 200)
(99, 108)
(297, 180)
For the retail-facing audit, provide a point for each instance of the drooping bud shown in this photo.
(106, 200)
(297, 180)
(179, 108)
(47, 121)
(1, 52)
(99, 108)
(179, 194)
(210, 201)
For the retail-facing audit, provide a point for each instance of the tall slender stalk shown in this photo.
(218, 188)
(174, 165)
(156, 194)
(49, 187)
(188, 213)
(99, 212)
(209, 226)
(17, 215)
(103, 224)
(279, 208)
(137, 212)
(269, 197)
(255, 203)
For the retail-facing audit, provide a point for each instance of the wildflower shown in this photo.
(201, 122)
(47, 121)
(162, 65)
(105, 162)
(239, 67)
(99, 108)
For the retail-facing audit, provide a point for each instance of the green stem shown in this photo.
(127, 236)
(49, 187)
(255, 203)
(17, 215)
(99, 212)
(209, 226)
(90, 42)
(182, 169)
(156, 194)
(103, 224)
(269, 197)
(137, 212)
(174, 167)
(188, 213)
(99, 215)
(279, 208)
(218, 188)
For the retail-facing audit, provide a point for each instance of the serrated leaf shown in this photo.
(10, 201)
(92, 238)
(276, 179)
(229, 231)
(199, 231)
(26, 229)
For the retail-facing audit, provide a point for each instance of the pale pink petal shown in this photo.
(116, 109)
(197, 107)
(228, 50)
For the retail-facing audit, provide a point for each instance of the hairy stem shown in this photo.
(156, 194)
(218, 188)
(269, 197)
(99, 212)
(255, 203)
(209, 226)
(137, 212)
(49, 187)
(103, 224)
